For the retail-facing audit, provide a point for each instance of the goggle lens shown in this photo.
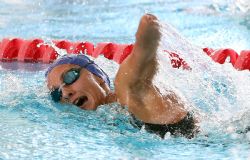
(56, 94)
(68, 78)
(71, 76)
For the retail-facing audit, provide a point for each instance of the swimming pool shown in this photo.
(33, 127)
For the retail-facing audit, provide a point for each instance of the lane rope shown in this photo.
(36, 50)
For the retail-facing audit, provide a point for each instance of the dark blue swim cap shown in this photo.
(82, 61)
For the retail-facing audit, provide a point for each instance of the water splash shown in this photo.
(49, 42)
(220, 92)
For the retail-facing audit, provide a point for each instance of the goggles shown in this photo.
(68, 78)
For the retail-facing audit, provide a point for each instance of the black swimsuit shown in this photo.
(186, 127)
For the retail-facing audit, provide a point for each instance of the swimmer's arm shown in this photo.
(133, 82)
(143, 61)
(136, 72)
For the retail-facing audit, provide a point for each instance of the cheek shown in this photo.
(86, 84)
(94, 88)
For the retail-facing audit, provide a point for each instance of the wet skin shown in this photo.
(133, 82)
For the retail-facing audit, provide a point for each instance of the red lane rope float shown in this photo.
(36, 50)
(239, 61)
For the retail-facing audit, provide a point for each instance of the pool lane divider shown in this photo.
(36, 50)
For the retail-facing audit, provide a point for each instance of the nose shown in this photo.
(67, 93)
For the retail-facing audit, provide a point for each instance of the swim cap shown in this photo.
(82, 61)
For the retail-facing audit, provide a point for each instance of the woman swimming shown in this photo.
(77, 80)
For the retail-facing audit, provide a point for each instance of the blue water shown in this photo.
(34, 127)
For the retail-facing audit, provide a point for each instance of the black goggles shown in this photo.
(68, 78)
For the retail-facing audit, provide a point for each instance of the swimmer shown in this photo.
(77, 80)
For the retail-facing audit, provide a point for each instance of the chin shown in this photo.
(92, 108)
(90, 105)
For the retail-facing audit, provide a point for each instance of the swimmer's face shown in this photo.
(87, 92)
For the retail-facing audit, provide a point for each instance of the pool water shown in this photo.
(34, 127)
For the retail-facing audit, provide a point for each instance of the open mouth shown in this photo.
(80, 101)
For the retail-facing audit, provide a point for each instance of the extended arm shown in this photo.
(143, 58)
(133, 83)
